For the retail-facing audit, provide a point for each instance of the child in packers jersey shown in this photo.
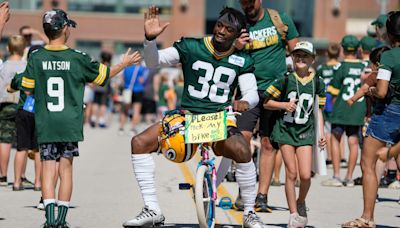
(295, 95)
(56, 76)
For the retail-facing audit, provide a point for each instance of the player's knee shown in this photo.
(291, 175)
(305, 176)
(243, 154)
(266, 145)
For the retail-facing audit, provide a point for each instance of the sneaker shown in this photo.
(302, 209)
(333, 182)
(27, 183)
(343, 163)
(297, 221)
(276, 183)
(348, 183)
(239, 205)
(386, 181)
(40, 206)
(251, 220)
(358, 181)
(261, 204)
(3, 181)
(146, 217)
(394, 185)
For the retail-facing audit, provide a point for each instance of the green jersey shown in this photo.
(16, 84)
(296, 128)
(210, 77)
(390, 62)
(57, 77)
(268, 49)
(344, 85)
(326, 72)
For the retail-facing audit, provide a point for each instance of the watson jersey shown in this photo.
(390, 61)
(296, 128)
(326, 72)
(57, 76)
(268, 49)
(210, 77)
(344, 85)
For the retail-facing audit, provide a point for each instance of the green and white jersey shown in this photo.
(390, 62)
(344, 85)
(296, 128)
(326, 72)
(268, 49)
(210, 77)
(16, 84)
(57, 77)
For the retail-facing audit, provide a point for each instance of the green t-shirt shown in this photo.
(390, 61)
(296, 128)
(210, 77)
(16, 84)
(57, 77)
(344, 85)
(268, 49)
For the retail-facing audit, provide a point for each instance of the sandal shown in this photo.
(360, 223)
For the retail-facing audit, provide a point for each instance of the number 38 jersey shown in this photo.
(344, 85)
(296, 128)
(210, 77)
(57, 77)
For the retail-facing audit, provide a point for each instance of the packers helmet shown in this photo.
(172, 139)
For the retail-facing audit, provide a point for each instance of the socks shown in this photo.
(62, 212)
(144, 169)
(49, 205)
(246, 179)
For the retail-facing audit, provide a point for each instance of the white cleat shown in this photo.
(146, 217)
(251, 220)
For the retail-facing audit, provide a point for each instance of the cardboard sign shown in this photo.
(205, 127)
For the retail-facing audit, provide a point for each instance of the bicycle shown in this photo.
(205, 188)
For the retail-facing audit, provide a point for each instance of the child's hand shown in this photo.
(322, 141)
(291, 105)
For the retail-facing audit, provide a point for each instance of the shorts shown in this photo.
(26, 134)
(248, 120)
(137, 97)
(8, 112)
(54, 151)
(386, 127)
(148, 106)
(339, 129)
(100, 98)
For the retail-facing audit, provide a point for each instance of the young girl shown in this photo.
(294, 95)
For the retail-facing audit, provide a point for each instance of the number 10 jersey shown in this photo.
(210, 77)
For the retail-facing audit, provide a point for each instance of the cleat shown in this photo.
(251, 220)
(146, 217)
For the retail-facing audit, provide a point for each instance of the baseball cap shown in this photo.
(58, 19)
(368, 43)
(305, 46)
(380, 21)
(350, 43)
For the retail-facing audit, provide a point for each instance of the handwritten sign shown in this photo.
(205, 127)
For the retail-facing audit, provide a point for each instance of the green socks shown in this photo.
(50, 216)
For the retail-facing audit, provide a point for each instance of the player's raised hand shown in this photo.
(131, 58)
(152, 26)
(4, 12)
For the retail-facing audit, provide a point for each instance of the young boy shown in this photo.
(294, 131)
(344, 85)
(56, 75)
(8, 105)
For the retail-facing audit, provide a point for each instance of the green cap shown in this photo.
(380, 21)
(350, 43)
(368, 43)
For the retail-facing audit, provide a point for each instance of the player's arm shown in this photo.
(322, 139)
(248, 87)
(382, 86)
(155, 58)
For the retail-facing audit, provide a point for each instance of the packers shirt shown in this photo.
(296, 128)
(268, 49)
(390, 61)
(210, 77)
(57, 77)
(326, 72)
(344, 85)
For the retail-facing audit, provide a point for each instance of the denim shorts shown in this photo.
(386, 126)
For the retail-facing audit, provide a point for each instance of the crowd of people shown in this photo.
(291, 105)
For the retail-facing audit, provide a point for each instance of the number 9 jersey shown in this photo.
(210, 77)
(57, 75)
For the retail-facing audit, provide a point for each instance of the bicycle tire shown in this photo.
(205, 207)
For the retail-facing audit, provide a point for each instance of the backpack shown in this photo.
(278, 23)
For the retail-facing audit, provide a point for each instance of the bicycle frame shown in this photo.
(204, 149)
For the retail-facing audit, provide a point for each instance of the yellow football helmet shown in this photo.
(172, 139)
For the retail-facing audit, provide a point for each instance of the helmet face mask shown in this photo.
(172, 140)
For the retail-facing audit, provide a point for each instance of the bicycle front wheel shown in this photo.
(203, 195)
